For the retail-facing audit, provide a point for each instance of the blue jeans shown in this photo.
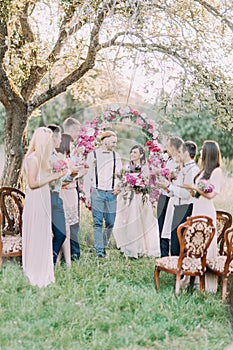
(74, 245)
(58, 224)
(103, 209)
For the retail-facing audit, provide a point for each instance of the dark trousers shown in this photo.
(58, 224)
(74, 245)
(161, 213)
(181, 212)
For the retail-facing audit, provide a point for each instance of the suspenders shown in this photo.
(113, 172)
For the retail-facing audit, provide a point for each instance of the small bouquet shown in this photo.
(168, 174)
(59, 166)
(204, 186)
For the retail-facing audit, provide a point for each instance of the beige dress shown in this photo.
(37, 256)
(205, 206)
(70, 202)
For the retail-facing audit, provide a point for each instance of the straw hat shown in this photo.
(106, 133)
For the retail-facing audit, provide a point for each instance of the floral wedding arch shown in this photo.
(88, 138)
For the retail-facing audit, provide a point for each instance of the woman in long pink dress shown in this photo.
(211, 175)
(136, 229)
(37, 257)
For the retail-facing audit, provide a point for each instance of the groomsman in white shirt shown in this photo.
(100, 188)
(181, 204)
(173, 145)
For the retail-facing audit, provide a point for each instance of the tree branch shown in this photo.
(144, 46)
(38, 72)
(7, 91)
(211, 9)
(25, 26)
(84, 67)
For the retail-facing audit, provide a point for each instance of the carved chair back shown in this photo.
(224, 221)
(222, 265)
(11, 205)
(195, 236)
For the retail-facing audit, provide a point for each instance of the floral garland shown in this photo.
(87, 139)
(91, 130)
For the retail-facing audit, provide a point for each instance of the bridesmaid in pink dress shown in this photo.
(37, 257)
(211, 173)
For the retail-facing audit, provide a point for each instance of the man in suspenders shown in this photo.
(100, 188)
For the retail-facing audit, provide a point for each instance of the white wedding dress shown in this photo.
(136, 229)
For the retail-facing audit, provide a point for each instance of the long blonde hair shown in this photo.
(41, 145)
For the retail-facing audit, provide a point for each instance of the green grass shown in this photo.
(108, 304)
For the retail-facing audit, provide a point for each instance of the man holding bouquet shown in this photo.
(181, 203)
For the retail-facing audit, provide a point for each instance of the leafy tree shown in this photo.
(40, 60)
(198, 128)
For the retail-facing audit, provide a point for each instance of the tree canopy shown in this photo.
(46, 46)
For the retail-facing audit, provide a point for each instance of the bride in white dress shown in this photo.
(136, 229)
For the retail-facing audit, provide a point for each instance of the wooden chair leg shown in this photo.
(1, 248)
(202, 283)
(192, 280)
(156, 277)
(224, 289)
(177, 291)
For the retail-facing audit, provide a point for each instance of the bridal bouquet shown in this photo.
(204, 186)
(134, 183)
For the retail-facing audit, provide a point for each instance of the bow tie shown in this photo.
(105, 151)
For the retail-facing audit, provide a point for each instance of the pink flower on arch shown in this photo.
(140, 122)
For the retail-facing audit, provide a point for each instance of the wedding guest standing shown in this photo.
(37, 256)
(100, 188)
(58, 214)
(71, 127)
(181, 204)
(172, 147)
(136, 229)
(70, 247)
(211, 176)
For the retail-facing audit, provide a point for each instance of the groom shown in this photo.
(100, 189)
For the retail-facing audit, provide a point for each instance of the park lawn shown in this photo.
(108, 304)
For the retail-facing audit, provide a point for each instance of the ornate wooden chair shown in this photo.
(195, 236)
(11, 205)
(224, 221)
(222, 265)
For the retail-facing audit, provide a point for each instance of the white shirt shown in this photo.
(185, 176)
(180, 195)
(104, 162)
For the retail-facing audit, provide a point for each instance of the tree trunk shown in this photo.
(15, 141)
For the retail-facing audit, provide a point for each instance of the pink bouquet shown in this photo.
(204, 186)
(59, 166)
(135, 183)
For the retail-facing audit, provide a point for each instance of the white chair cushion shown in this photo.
(218, 263)
(189, 264)
(12, 244)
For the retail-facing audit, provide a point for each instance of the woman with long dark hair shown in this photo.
(208, 183)
(136, 229)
